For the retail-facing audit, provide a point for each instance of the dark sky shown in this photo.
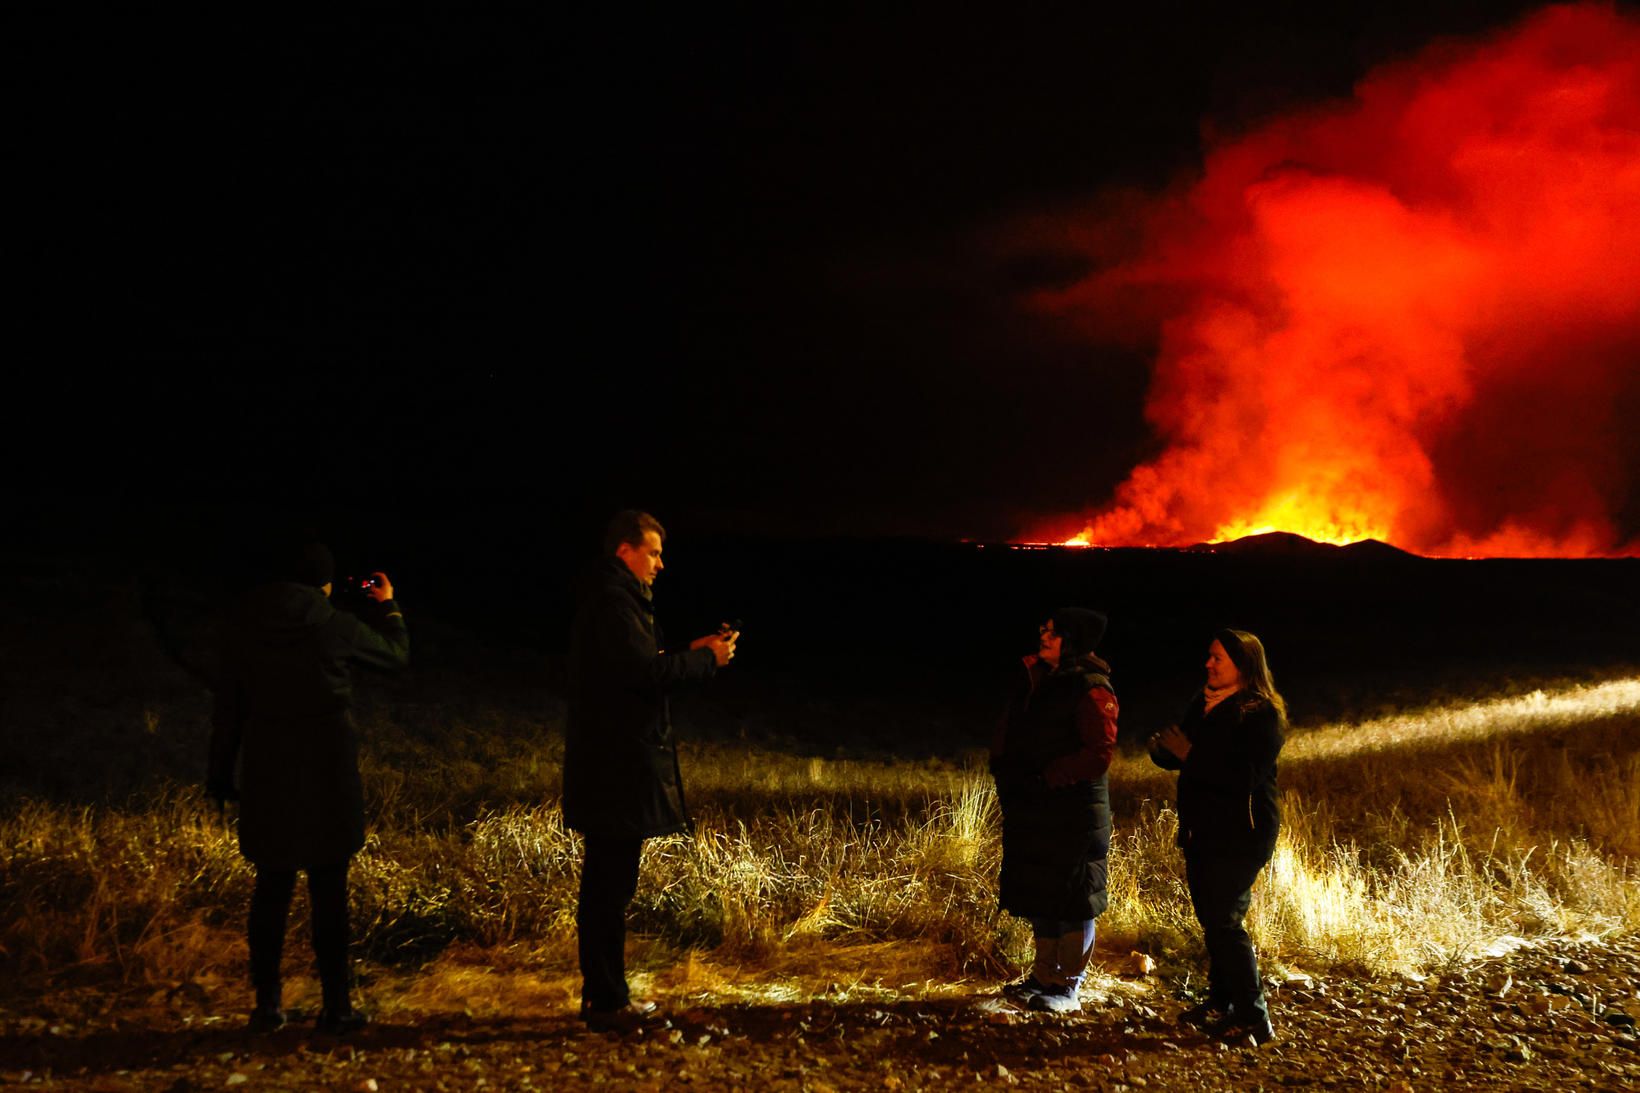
(728, 263)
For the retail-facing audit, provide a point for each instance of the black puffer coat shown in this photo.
(1050, 761)
(1228, 804)
(621, 773)
(282, 705)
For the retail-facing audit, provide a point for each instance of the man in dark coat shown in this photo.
(282, 715)
(621, 778)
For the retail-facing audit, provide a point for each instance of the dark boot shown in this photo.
(1246, 1024)
(623, 1018)
(265, 1018)
(340, 1022)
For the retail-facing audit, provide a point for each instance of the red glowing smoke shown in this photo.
(1413, 316)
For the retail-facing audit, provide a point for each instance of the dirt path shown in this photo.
(1551, 1017)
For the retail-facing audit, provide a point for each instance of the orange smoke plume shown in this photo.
(1413, 316)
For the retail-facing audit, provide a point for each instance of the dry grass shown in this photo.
(1411, 841)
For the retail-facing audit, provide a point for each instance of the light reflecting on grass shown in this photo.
(1410, 840)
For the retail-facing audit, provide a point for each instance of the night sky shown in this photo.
(738, 265)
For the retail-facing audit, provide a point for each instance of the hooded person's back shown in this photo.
(282, 703)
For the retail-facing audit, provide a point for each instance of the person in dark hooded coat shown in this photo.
(1049, 757)
(282, 716)
(621, 779)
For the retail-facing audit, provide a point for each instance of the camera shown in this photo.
(359, 585)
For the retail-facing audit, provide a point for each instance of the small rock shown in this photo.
(1572, 967)
(366, 1085)
(1002, 1072)
(1139, 964)
(1619, 1019)
(236, 1079)
(1296, 978)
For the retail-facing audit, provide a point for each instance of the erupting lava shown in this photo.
(1413, 316)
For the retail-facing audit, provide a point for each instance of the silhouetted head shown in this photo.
(1077, 630)
(302, 558)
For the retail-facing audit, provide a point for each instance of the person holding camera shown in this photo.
(622, 783)
(1050, 756)
(282, 716)
(1225, 751)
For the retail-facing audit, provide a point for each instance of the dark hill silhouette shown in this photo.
(1285, 544)
(1377, 550)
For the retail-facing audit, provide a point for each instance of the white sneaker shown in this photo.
(1056, 1000)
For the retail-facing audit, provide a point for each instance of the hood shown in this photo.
(284, 610)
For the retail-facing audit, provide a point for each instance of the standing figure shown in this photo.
(1225, 751)
(283, 716)
(621, 779)
(1049, 757)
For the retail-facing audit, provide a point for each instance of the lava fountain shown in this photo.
(1412, 316)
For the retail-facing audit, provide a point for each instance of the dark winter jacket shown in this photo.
(621, 773)
(282, 710)
(1227, 787)
(1050, 758)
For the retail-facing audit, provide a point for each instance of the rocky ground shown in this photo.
(1549, 1017)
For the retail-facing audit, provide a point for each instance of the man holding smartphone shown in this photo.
(621, 779)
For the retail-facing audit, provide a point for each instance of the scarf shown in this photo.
(1212, 697)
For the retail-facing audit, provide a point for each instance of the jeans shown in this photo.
(1063, 948)
(609, 878)
(1221, 890)
(270, 907)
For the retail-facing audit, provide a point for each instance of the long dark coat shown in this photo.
(621, 775)
(283, 697)
(1228, 804)
(1050, 761)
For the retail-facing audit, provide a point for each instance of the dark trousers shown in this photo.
(270, 906)
(1221, 889)
(609, 878)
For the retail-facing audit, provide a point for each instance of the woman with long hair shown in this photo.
(1049, 756)
(1225, 751)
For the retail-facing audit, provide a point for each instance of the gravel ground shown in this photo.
(1550, 1017)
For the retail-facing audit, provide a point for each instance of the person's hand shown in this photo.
(382, 590)
(1173, 740)
(722, 645)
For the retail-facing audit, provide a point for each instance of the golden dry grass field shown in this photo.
(1413, 840)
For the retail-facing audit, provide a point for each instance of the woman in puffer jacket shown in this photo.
(1049, 757)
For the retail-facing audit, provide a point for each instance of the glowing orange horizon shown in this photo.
(1513, 543)
(1407, 317)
